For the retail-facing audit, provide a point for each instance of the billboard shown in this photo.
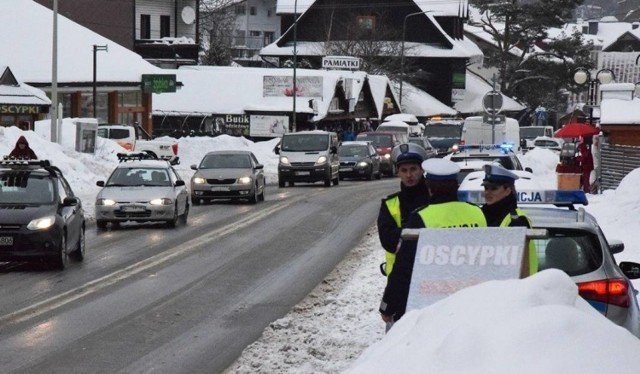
(268, 126)
(280, 85)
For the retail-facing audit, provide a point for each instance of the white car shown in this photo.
(526, 184)
(142, 190)
(546, 142)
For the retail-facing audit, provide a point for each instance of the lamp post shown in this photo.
(603, 76)
(404, 29)
(295, 60)
(96, 48)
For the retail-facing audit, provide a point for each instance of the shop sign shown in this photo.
(269, 126)
(158, 83)
(341, 62)
(232, 124)
(19, 109)
(281, 85)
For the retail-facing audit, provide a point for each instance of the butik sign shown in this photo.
(341, 63)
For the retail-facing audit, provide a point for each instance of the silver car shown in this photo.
(576, 245)
(142, 190)
(228, 175)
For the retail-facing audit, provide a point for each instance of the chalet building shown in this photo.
(163, 32)
(20, 104)
(435, 52)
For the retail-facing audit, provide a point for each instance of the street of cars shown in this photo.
(41, 218)
(473, 157)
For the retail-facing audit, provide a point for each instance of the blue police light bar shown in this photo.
(555, 197)
(505, 147)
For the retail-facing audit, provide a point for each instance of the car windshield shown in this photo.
(377, 140)
(573, 251)
(352, 151)
(226, 162)
(443, 131)
(531, 132)
(20, 187)
(546, 143)
(139, 176)
(306, 142)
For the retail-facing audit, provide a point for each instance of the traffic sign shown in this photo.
(494, 119)
(492, 102)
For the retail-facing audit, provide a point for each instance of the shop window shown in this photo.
(145, 26)
(366, 22)
(165, 26)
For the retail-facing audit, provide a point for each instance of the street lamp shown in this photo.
(603, 76)
(96, 48)
(295, 60)
(404, 29)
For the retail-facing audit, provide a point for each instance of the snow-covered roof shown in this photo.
(20, 93)
(439, 7)
(620, 112)
(26, 38)
(475, 89)
(229, 90)
(608, 32)
(421, 104)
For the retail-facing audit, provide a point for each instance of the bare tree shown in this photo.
(217, 25)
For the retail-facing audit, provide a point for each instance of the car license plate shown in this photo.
(219, 189)
(6, 240)
(303, 173)
(346, 169)
(133, 208)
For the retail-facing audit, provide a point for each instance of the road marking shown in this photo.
(95, 285)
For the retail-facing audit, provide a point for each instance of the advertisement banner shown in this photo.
(280, 85)
(448, 260)
(231, 124)
(268, 126)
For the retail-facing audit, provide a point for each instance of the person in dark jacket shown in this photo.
(22, 150)
(443, 211)
(501, 205)
(396, 207)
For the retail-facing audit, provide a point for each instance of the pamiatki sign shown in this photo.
(341, 63)
(448, 260)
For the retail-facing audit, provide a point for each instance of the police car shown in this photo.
(472, 158)
(142, 189)
(576, 245)
(41, 218)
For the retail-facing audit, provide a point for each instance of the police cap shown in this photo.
(408, 152)
(439, 169)
(496, 174)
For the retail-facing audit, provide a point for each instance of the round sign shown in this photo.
(492, 102)
(188, 15)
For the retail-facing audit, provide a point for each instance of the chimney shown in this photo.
(593, 27)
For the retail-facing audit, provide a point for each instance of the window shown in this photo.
(241, 10)
(254, 33)
(268, 37)
(240, 37)
(145, 26)
(165, 26)
(253, 11)
(366, 22)
(269, 13)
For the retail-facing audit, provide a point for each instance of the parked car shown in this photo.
(472, 158)
(229, 175)
(383, 143)
(575, 244)
(41, 218)
(358, 159)
(426, 144)
(141, 189)
(135, 139)
(528, 134)
(550, 143)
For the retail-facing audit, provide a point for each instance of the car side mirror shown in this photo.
(528, 169)
(70, 201)
(100, 183)
(194, 167)
(259, 166)
(334, 149)
(179, 183)
(630, 269)
(276, 150)
(616, 246)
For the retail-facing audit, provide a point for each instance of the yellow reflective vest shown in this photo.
(452, 214)
(393, 205)
(533, 256)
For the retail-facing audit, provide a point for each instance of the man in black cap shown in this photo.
(501, 205)
(444, 211)
(396, 207)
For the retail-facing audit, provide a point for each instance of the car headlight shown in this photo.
(105, 202)
(162, 201)
(284, 160)
(363, 164)
(321, 160)
(199, 180)
(244, 180)
(387, 156)
(41, 223)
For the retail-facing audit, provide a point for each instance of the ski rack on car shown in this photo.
(560, 198)
(15, 163)
(138, 156)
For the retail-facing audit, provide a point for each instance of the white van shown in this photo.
(308, 156)
(401, 129)
(415, 126)
(476, 131)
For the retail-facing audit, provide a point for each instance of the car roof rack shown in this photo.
(559, 198)
(16, 163)
(136, 156)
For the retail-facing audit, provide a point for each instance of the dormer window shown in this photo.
(366, 22)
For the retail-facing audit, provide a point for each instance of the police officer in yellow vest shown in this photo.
(501, 205)
(396, 207)
(444, 211)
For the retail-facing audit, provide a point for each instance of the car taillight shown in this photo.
(174, 147)
(611, 291)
